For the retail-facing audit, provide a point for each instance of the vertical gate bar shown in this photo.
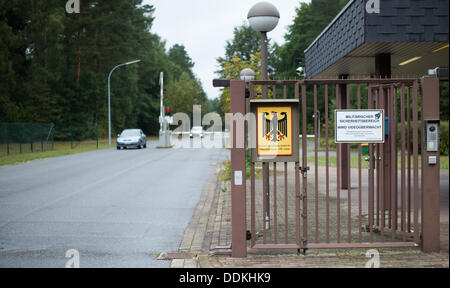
(402, 161)
(371, 172)
(264, 207)
(297, 182)
(396, 204)
(396, 108)
(284, 92)
(275, 220)
(396, 158)
(304, 166)
(387, 158)
(316, 167)
(349, 181)
(408, 141)
(393, 122)
(382, 186)
(338, 175)
(253, 206)
(274, 91)
(378, 167)
(286, 202)
(297, 204)
(359, 175)
(389, 179)
(416, 162)
(327, 183)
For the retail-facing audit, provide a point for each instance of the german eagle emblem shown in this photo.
(275, 126)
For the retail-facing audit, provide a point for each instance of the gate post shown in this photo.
(343, 149)
(430, 172)
(238, 172)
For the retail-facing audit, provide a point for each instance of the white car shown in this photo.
(197, 131)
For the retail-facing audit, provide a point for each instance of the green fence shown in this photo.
(16, 138)
(26, 137)
(76, 135)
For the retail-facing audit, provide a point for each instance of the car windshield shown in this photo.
(197, 128)
(129, 133)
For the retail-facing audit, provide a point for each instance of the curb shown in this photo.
(194, 235)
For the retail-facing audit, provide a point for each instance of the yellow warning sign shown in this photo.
(274, 133)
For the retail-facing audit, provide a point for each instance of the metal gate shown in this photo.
(335, 197)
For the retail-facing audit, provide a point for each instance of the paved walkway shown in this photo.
(210, 228)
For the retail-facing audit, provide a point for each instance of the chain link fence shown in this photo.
(18, 138)
(26, 137)
(77, 135)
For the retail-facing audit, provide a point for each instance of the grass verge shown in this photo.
(60, 148)
(60, 151)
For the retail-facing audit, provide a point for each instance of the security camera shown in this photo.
(300, 71)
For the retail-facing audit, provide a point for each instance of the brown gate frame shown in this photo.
(430, 213)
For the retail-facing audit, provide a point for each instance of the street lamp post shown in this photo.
(247, 75)
(263, 17)
(109, 95)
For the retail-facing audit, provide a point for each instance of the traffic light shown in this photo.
(168, 112)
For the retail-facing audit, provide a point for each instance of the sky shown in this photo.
(204, 26)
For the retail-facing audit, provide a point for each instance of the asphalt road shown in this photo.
(117, 208)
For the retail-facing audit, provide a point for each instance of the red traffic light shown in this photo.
(168, 110)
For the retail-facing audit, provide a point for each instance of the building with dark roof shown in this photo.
(405, 39)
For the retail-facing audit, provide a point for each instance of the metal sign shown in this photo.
(276, 130)
(274, 134)
(359, 126)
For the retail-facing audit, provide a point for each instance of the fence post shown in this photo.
(430, 172)
(71, 138)
(7, 138)
(53, 136)
(31, 137)
(96, 133)
(42, 140)
(20, 137)
(238, 173)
